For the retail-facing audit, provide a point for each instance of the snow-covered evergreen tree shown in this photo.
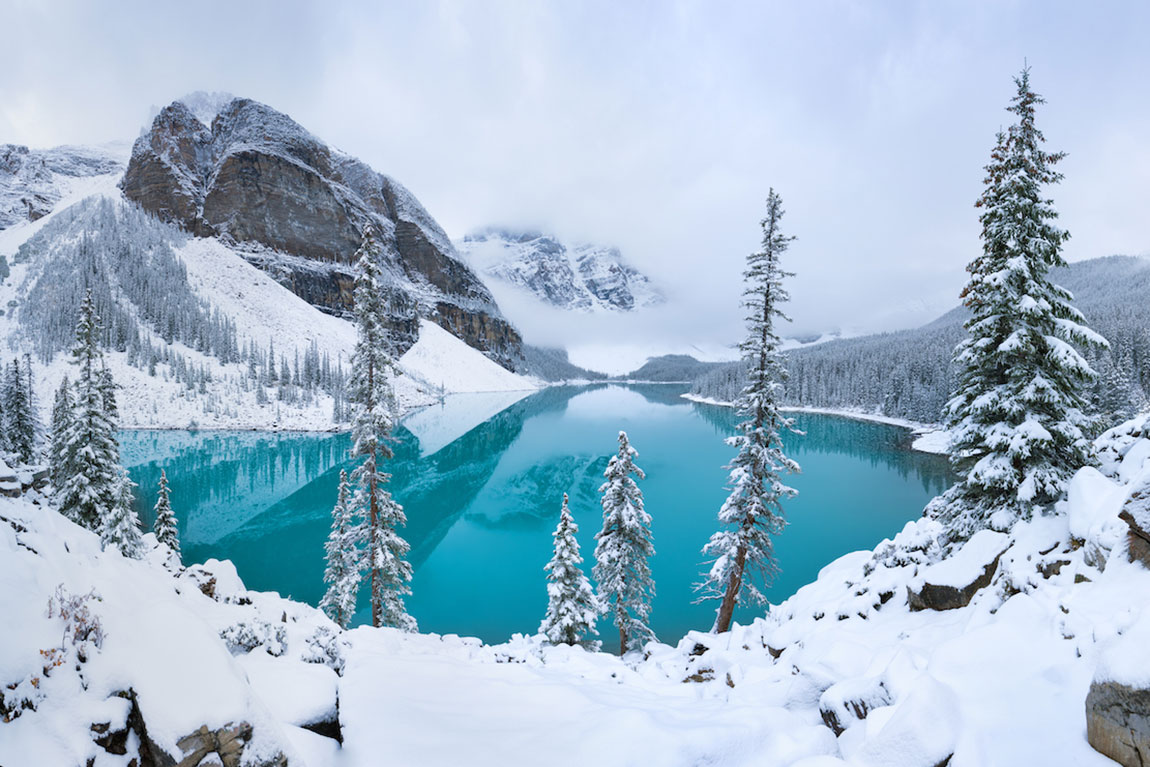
(622, 549)
(19, 423)
(572, 607)
(91, 455)
(373, 408)
(120, 529)
(165, 526)
(1017, 422)
(36, 427)
(742, 550)
(342, 557)
(62, 416)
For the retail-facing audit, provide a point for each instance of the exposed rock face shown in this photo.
(297, 208)
(1118, 722)
(31, 180)
(579, 277)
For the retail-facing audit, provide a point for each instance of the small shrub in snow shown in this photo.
(82, 635)
(245, 636)
(324, 647)
(917, 544)
(82, 629)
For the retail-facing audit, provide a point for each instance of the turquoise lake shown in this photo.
(482, 486)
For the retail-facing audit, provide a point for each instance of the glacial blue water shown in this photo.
(482, 496)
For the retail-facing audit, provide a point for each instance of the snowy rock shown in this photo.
(952, 583)
(1118, 722)
(849, 701)
(922, 730)
(1136, 514)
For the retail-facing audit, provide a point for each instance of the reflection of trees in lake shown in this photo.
(264, 500)
(878, 444)
(227, 475)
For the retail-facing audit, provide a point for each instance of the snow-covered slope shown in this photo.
(451, 366)
(259, 310)
(845, 672)
(580, 277)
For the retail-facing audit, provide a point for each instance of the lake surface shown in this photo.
(482, 484)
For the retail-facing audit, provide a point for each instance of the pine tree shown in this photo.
(19, 424)
(91, 456)
(62, 416)
(753, 511)
(165, 526)
(36, 428)
(572, 608)
(622, 549)
(373, 403)
(342, 555)
(120, 528)
(1018, 429)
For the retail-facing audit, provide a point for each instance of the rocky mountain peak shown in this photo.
(261, 182)
(582, 277)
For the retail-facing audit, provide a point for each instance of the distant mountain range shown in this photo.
(577, 277)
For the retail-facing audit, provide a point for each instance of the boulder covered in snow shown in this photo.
(849, 701)
(1136, 514)
(1118, 704)
(953, 582)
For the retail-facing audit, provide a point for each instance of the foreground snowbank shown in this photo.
(844, 672)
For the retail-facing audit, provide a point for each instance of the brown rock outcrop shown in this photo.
(296, 208)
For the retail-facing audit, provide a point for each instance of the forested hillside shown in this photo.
(908, 373)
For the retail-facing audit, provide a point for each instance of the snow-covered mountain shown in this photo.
(259, 182)
(580, 277)
(206, 324)
(32, 181)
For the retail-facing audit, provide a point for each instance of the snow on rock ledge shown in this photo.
(952, 583)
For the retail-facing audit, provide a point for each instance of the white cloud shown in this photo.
(658, 128)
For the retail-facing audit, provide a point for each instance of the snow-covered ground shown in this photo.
(842, 673)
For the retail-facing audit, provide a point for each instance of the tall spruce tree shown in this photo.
(373, 408)
(1018, 428)
(91, 456)
(342, 557)
(165, 525)
(19, 424)
(61, 427)
(622, 549)
(572, 608)
(743, 550)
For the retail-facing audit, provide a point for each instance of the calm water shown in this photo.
(482, 495)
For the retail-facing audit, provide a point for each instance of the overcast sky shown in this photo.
(658, 127)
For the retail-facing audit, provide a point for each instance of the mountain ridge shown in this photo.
(581, 277)
(296, 208)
